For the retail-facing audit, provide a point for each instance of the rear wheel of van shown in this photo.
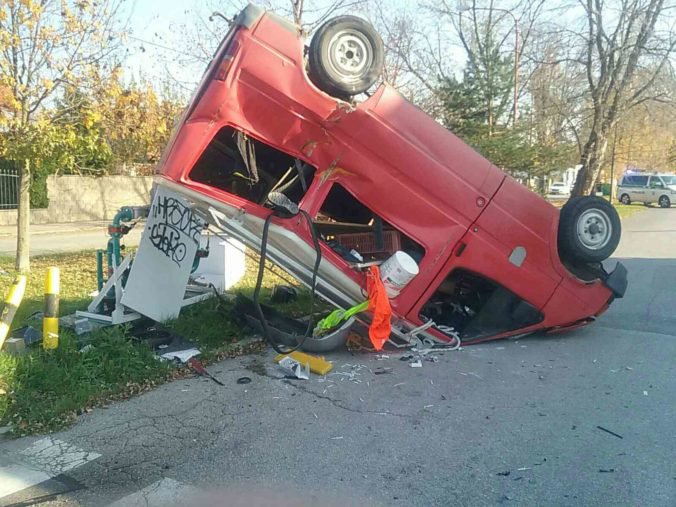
(346, 56)
(589, 229)
(625, 199)
(664, 202)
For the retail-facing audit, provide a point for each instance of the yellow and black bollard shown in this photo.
(50, 320)
(12, 302)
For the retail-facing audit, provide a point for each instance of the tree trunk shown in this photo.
(591, 161)
(23, 220)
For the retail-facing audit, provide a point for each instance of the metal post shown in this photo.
(50, 319)
(612, 168)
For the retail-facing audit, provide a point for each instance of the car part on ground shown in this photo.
(589, 229)
(283, 206)
(346, 56)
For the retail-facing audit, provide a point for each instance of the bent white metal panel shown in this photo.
(156, 284)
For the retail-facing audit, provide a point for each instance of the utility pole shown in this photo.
(612, 169)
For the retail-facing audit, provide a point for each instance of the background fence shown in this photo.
(9, 188)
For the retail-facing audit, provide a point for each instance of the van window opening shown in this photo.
(358, 234)
(474, 306)
(243, 166)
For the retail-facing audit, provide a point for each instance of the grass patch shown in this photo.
(46, 390)
(627, 210)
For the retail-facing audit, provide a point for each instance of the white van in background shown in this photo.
(648, 189)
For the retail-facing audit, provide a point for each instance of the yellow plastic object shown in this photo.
(318, 365)
(12, 302)
(50, 320)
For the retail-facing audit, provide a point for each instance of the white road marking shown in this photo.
(160, 494)
(14, 478)
(45, 459)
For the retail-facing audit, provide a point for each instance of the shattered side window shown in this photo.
(474, 306)
(243, 166)
(358, 234)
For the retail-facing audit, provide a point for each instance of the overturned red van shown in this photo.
(276, 120)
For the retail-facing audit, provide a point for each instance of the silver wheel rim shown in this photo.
(594, 229)
(664, 201)
(625, 199)
(350, 55)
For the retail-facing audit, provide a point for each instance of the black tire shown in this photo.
(625, 199)
(665, 202)
(346, 56)
(589, 230)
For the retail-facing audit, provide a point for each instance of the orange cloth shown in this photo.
(379, 305)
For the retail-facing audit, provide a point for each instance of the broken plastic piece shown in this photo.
(294, 368)
(318, 365)
(416, 364)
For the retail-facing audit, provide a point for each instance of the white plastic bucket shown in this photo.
(396, 272)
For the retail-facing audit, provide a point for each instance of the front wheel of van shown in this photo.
(625, 199)
(589, 230)
(346, 56)
(665, 202)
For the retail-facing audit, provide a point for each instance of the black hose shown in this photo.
(259, 281)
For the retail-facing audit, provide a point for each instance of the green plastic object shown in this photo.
(336, 317)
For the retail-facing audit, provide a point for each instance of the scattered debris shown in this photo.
(283, 294)
(244, 380)
(316, 364)
(336, 438)
(399, 384)
(198, 367)
(79, 325)
(609, 432)
(504, 474)
(524, 468)
(606, 471)
(645, 393)
(15, 347)
(428, 406)
(416, 364)
(294, 368)
(382, 371)
(28, 334)
(183, 356)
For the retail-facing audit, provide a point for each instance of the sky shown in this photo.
(153, 23)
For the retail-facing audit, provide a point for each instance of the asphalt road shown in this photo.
(514, 422)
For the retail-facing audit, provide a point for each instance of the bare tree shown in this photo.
(625, 53)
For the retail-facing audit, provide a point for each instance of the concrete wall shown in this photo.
(81, 198)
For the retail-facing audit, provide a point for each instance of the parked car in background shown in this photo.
(559, 188)
(648, 188)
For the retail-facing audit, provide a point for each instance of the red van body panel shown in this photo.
(415, 174)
